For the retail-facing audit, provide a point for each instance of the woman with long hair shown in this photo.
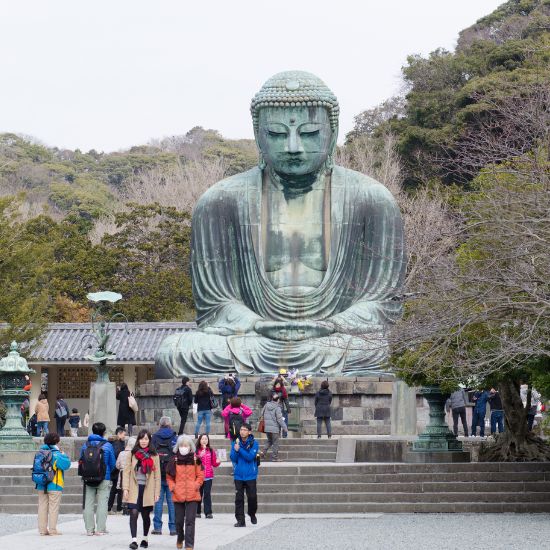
(141, 485)
(209, 461)
(204, 400)
(126, 416)
(185, 476)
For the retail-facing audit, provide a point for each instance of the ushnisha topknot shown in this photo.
(295, 89)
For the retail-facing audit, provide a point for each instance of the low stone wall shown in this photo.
(360, 406)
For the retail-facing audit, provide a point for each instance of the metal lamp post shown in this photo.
(13, 369)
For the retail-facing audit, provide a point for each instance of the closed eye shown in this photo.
(311, 133)
(276, 134)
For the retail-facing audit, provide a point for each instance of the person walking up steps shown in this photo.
(244, 451)
(274, 423)
(209, 461)
(97, 460)
(50, 485)
(185, 477)
(234, 415)
(164, 442)
(141, 486)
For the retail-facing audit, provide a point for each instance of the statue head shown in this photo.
(295, 118)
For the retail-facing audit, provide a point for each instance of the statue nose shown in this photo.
(294, 144)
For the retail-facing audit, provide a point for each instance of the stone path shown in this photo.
(311, 532)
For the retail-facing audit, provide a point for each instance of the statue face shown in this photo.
(295, 141)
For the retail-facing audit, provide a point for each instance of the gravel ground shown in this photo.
(404, 531)
(11, 523)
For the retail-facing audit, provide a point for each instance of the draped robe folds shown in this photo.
(358, 294)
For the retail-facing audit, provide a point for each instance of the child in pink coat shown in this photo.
(236, 407)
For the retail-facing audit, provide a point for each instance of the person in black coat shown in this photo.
(126, 416)
(323, 399)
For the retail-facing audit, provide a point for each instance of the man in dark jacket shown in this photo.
(118, 446)
(457, 405)
(183, 399)
(245, 472)
(229, 387)
(98, 524)
(164, 441)
(323, 399)
(480, 399)
(497, 413)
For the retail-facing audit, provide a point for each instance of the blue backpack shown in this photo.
(42, 468)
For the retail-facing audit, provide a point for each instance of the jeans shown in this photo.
(327, 424)
(207, 415)
(42, 427)
(460, 412)
(115, 493)
(285, 416)
(251, 496)
(60, 423)
(183, 419)
(478, 419)
(272, 441)
(206, 495)
(186, 512)
(157, 517)
(497, 418)
(530, 421)
(99, 522)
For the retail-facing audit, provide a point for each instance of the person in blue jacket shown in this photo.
(49, 497)
(98, 525)
(229, 387)
(244, 451)
(480, 399)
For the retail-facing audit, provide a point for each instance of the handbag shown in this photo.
(261, 425)
(132, 403)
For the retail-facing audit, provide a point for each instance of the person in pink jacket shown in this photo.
(235, 415)
(209, 461)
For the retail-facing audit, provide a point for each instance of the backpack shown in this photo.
(91, 466)
(236, 420)
(181, 398)
(165, 453)
(42, 468)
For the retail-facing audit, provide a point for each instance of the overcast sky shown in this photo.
(108, 74)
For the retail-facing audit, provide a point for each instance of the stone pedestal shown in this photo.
(403, 409)
(103, 405)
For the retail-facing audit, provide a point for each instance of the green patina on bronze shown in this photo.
(296, 263)
(13, 369)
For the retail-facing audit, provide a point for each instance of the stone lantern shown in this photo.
(13, 369)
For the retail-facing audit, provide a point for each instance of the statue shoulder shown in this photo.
(362, 184)
(227, 190)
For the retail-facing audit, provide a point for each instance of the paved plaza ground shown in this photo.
(312, 532)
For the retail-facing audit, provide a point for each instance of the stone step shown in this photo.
(344, 507)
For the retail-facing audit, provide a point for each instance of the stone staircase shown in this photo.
(351, 488)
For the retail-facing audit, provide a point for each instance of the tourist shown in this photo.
(273, 424)
(185, 477)
(42, 410)
(121, 462)
(204, 398)
(244, 453)
(49, 496)
(97, 482)
(74, 422)
(229, 387)
(61, 414)
(119, 445)
(164, 440)
(497, 413)
(480, 399)
(86, 421)
(209, 461)
(457, 405)
(235, 414)
(323, 399)
(279, 388)
(126, 416)
(141, 486)
(183, 399)
(535, 401)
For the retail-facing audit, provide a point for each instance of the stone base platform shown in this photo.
(432, 457)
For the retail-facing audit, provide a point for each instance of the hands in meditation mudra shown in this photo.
(296, 263)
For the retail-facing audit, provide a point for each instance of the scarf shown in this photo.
(145, 462)
(185, 459)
